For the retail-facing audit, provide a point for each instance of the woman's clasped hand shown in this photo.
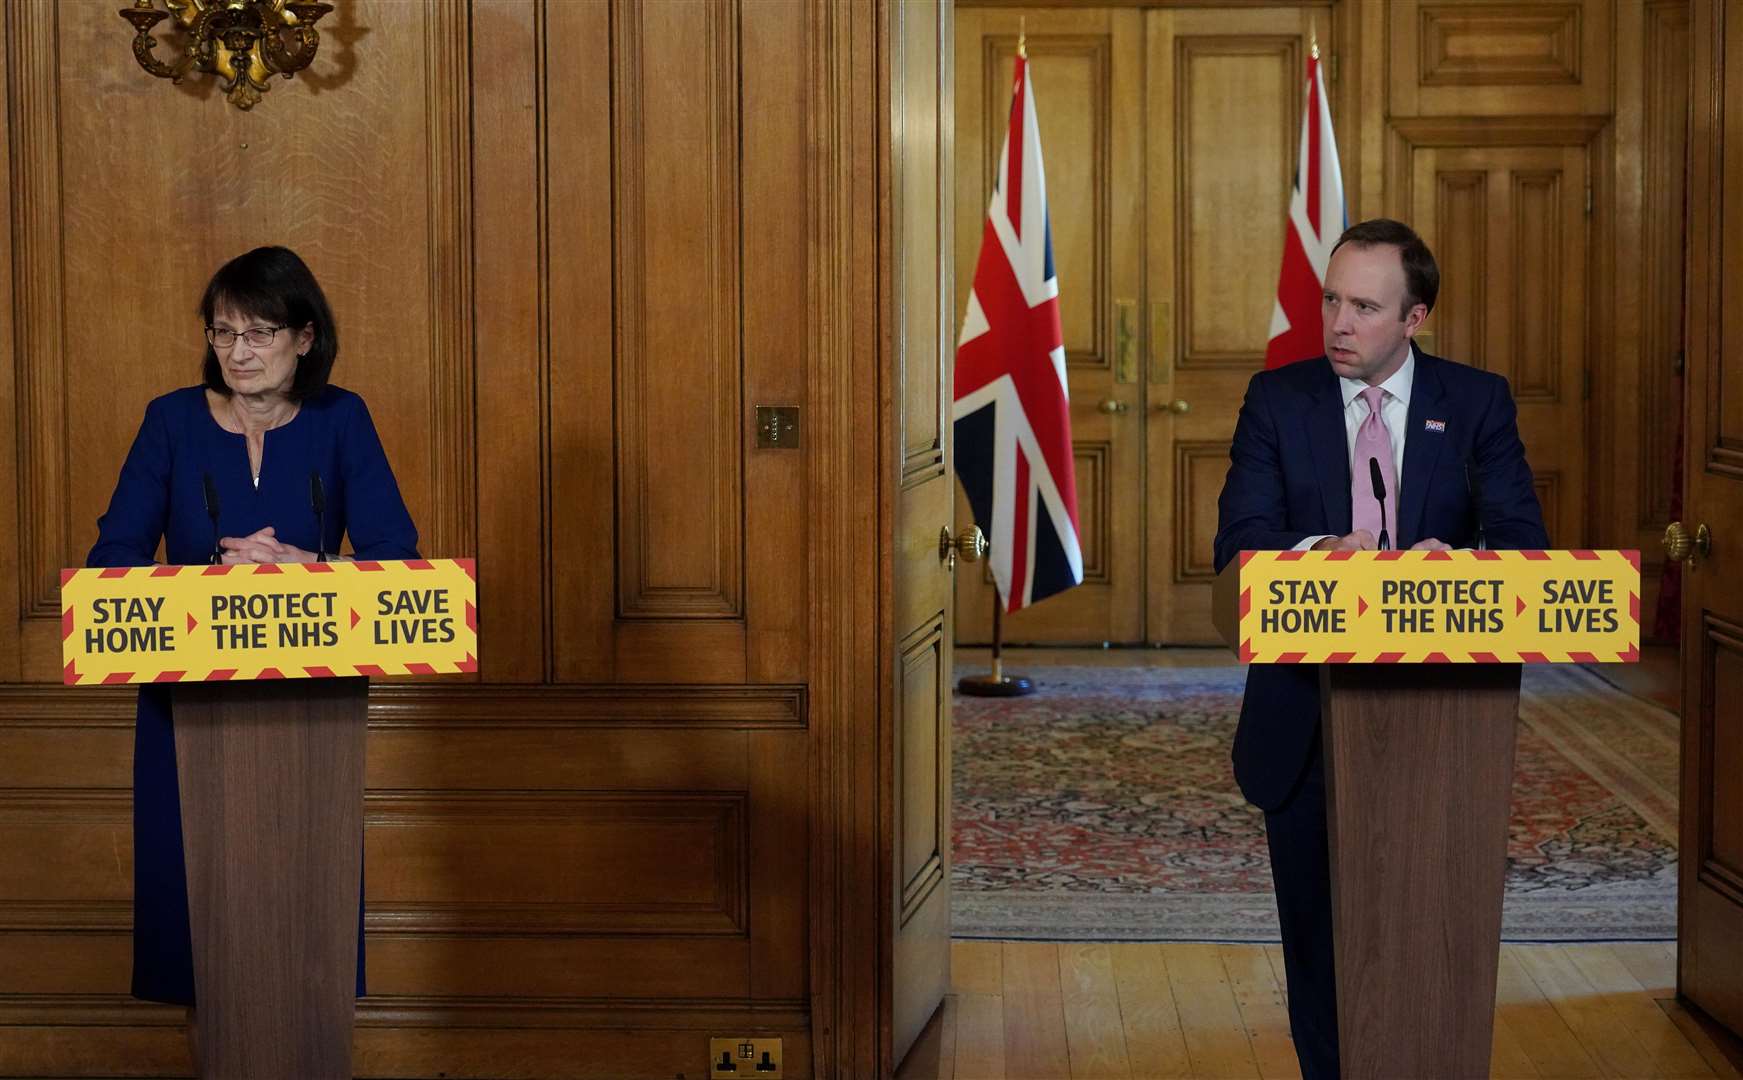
(261, 547)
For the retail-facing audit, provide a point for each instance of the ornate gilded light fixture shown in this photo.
(243, 41)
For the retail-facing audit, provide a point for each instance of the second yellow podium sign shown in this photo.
(1439, 606)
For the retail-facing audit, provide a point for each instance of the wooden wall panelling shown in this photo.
(680, 502)
(592, 862)
(778, 900)
(721, 765)
(535, 397)
(1357, 91)
(1493, 58)
(1664, 172)
(11, 566)
(523, 1039)
(849, 616)
(450, 769)
(451, 529)
(657, 833)
(42, 503)
(578, 242)
(1637, 382)
(514, 519)
(776, 213)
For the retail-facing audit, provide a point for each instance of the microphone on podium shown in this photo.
(211, 491)
(318, 501)
(1380, 494)
(1474, 486)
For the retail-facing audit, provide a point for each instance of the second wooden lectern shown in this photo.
(1419, 700)
(271, 779)
(1419, 781)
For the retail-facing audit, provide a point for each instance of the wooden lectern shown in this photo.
(269, 668)
(271, 779)
(1419, 776)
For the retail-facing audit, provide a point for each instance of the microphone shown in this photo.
(318, 500)
(212, 512)
(1474, 488)
(1380, 494)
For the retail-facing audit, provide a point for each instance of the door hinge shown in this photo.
(1588, 200)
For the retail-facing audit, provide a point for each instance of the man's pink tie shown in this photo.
(1372, 441)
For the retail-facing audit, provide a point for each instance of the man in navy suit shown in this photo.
(1310, 435)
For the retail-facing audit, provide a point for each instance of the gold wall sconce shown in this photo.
(242, 41)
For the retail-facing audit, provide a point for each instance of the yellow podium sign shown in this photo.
(268, 621)
(1411, 607)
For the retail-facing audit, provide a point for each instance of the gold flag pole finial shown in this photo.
(1023, 36)
(1313, 38)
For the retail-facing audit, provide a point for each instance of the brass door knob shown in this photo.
(971, 545)
(1681, 547)
(1177, 406)
(1110, 406)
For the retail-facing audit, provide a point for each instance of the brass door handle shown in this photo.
(1177, 406)
(1110, 406)
(1681, 547)
(971, 545)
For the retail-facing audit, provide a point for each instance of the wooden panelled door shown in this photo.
(1166, 277)
(1508, 225)
(1087, 69)
(921, 473)
(1710, 892)
(1225, 100)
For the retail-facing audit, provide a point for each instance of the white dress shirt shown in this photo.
(1394, 411)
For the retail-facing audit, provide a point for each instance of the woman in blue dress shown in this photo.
(227, 471)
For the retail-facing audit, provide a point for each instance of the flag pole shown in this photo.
(997, 684)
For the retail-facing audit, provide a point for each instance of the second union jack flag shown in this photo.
(1012, 411)
(1316, 220)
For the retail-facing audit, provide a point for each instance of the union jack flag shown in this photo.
(1012, 412)
(1316, 220)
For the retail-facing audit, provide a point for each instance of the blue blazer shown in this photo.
(1289, 478)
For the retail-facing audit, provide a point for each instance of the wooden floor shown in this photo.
(1154, 1011)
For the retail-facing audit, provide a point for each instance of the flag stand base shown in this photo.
(995, 686)
(998, 684)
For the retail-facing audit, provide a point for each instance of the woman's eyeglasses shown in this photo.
(258, 337)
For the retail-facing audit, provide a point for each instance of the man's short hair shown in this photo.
(1421, 274)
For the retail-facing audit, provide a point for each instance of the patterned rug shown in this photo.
(1103, 808)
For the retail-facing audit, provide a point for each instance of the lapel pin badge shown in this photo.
(1434, 425)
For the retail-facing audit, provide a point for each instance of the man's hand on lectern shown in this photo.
(1430, 544)
(1360, 540)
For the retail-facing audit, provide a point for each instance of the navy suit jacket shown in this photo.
(1289, 478)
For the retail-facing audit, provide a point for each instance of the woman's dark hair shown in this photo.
(1421, 274)
(272, 283)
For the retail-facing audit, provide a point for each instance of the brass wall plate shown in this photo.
(745, 1058)
(777, 427)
